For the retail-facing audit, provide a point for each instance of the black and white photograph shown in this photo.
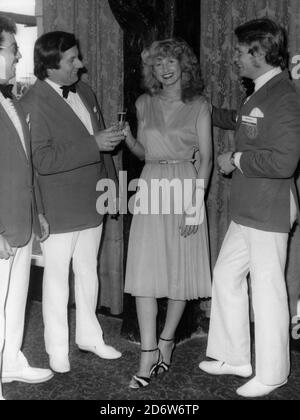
(149, 203)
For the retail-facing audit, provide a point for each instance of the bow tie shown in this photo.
(6, 91)
(249, 86)
(67, 89)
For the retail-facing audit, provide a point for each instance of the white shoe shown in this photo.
(221, 368)
(104, 351)
(59, 364)
(28, 375)
(255, 389)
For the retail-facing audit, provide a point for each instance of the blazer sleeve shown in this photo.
(51, 156)
(38, 196)
(224, 118)
(107, 157)
(281, 156)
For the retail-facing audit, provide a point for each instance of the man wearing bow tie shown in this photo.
(263, 208)
(18, 219)
(71, 153)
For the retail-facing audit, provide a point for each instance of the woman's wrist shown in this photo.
(131, 142)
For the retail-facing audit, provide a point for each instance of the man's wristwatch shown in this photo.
(232, 161)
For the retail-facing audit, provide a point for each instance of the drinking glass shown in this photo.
(122, 119)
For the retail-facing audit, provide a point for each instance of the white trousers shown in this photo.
(82, 247)
(263, 254)
(14, 282)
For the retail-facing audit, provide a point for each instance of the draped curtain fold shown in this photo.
(218, 21)
(101, 42)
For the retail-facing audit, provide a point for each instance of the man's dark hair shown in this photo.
(48, 51)
(271, 38)
(7, 25)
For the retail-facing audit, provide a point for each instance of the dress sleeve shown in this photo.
(140, 113)
(140, 107)
(204, 136)
(203, 124)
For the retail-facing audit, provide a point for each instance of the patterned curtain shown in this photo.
(101, 42)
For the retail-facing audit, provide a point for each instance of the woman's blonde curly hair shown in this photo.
(192, 84)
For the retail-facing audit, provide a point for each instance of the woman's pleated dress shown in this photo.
(162, 263)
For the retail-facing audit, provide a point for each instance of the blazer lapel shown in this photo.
(258, 97)
(25, 127)
(92, 112)
(246, 108)
(57, 102)
(15, 135)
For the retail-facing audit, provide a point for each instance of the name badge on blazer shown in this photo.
(250, 124)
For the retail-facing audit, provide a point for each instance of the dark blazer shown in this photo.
(270, 143)
(66, 157)
(18, 212)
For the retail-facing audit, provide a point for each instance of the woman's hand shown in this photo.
(193, 215)
(129, 139)
(186, 229)
(128, 134)
(132, 143)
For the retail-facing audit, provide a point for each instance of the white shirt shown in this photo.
(265, 78)
(76, 104)
(10, 109)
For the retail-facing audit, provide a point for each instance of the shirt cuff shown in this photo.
(237, 160)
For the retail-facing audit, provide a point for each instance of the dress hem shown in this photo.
(170, 297)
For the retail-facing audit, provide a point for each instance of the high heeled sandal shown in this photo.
(164, 367)
(137, 381)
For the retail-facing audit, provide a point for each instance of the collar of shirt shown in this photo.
(265, 78)
(57, 88)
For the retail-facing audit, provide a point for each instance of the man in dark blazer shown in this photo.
(227, 120)
(18, 216)
(71, 153)
(263, 208)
